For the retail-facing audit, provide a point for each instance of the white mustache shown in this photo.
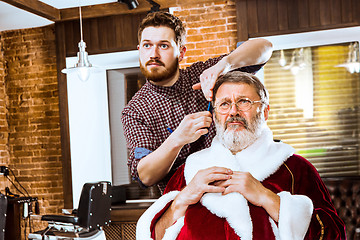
(237, 119)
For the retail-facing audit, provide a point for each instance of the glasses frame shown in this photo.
(237, 107)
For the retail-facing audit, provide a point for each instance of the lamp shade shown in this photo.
(82, 66)
(353, 62)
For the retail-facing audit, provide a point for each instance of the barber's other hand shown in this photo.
(203, 182)
(209, 77)
(192, 127)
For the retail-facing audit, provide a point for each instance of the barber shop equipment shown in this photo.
(3, 209)
(86, 222)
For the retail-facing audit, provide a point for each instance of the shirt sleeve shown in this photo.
(197, 68)
(249, 69)
(140, 139)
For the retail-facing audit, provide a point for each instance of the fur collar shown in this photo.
(261, 159)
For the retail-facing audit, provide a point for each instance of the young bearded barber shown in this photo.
(167, 119)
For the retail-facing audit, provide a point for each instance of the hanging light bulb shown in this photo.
(83, 73)
(282, 60)
(352, 64)
(355, 60)
(82, 66)
(293, 66)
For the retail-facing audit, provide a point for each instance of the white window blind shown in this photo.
(314, 106)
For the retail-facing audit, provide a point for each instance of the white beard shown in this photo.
(236, 141)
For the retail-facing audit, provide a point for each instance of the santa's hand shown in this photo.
(203, 183)
(191, 194)
(247, 185)
(191, 128)
(253, 190)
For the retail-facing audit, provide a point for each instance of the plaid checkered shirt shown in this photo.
(154, 109)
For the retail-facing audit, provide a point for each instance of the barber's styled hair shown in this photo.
(157, 19)
(242, 77)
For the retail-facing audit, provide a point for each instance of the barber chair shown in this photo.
(3, 210)
(86, 222)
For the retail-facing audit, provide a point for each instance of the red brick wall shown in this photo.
(4, 131)
(30, 127)
(211, 29)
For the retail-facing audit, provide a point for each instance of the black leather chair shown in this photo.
(345, 195)
(87, 221)
(3, 210)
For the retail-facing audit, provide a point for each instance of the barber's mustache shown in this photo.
(237, 119)
(154, 61)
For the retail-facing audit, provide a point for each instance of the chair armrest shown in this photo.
(67, 211)
(61, 218)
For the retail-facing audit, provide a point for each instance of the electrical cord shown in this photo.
(28, 195)
(8, 190)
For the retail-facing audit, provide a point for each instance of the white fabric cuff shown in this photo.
(294, 216)
(173, 231)
(143, 225)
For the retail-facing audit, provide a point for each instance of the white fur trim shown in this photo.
(144, 222)
(294, 216)
(261, 159)
(173, 231)
(274, 228)
(234, 207)
(264, 156)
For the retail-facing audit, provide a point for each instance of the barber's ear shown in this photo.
(266, 112)
(182, 53)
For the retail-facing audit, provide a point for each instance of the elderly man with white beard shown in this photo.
(245, 186)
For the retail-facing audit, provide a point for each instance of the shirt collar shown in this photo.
(178, 86)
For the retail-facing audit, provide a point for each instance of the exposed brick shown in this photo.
(195, 38)
(214, 34)
(213, 29)
(29, 115)
(193, 31)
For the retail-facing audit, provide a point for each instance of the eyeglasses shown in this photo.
(243, 104)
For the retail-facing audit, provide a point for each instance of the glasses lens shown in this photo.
(243, 104)
(224, 107)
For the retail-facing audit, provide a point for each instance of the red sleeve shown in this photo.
(176, 183)
(325, 223)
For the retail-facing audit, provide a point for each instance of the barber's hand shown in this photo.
(208, 78)
(203, 182)
(192, 127)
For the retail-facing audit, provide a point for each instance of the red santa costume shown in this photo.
(306, 211)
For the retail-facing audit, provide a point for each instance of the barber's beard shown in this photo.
(159, 74)
(237, 140)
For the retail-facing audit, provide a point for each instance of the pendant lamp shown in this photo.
(353, 61)
(82, 66)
